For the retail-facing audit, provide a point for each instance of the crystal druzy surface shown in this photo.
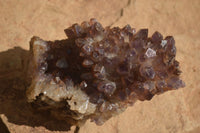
(98, 72)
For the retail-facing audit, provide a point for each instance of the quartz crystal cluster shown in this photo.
(97, 72)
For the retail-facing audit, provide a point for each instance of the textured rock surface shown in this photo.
(176, 111)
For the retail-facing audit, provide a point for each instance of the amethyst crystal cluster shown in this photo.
(98, 72)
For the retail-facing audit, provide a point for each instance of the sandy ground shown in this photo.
(173, 112)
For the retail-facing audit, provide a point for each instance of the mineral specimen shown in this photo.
(98, 72)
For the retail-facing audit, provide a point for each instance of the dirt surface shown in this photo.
(173, 112)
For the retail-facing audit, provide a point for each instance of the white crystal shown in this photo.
(57, 79)
(163, 43)
(150, 53)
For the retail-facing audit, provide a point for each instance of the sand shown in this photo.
(172, 112)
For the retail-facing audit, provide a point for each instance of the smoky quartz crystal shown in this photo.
(97, 72)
